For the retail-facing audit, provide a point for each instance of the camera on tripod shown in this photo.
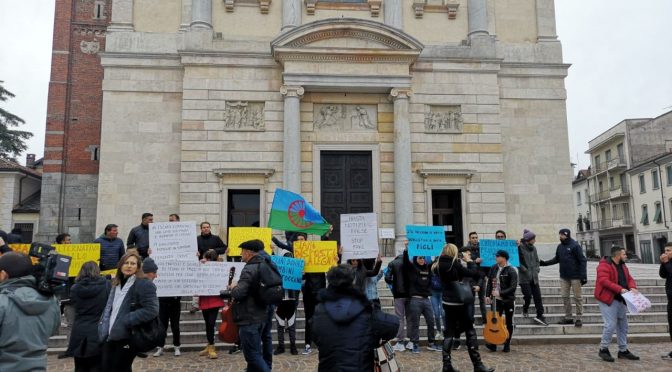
(52, 268)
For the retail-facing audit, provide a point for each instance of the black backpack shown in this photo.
(270, 284)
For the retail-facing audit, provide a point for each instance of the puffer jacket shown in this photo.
(529, 263)
(346, 329)
(27, 320)
(139, 306)
(571, 259)
(451, 271)
(111, 251)
(89, 297)
(246, 307)
(397, 277)
(606, 283)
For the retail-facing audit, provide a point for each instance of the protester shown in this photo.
(501, 286)
(67, 311)
(529, 276)
(285, 315)
(614, 280)
(63, 239)
(169, 310)
(312, 284)
(27, 317)
(397, 277)
(210, 307)
(111, 247)
(451, 272)
(346, 327)
(475, 249)
(500, 235)
(174, 218)
(129, 286)
(665, 272)
(139, 235)
(419, 281)
(437, 308)
(372, 286)
(473, 283)
(362, 273)
(88, 296)
(572, 274)
(249, 313)
(207, 241)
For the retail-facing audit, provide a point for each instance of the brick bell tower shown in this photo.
(74, 108)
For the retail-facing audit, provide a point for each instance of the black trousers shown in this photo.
(210, 317)
(309, 304)
(169, 311)
(669, 315)
(457, 320)
(532, 290)
(118, 356)
(507, 309)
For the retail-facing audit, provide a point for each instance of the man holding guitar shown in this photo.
(501, 285)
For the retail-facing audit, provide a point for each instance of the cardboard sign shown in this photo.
(489, 248)
(425, 240)
(319, 256)
(80, 254)
(189, 278)
(173, 241)
(238, 235)
(359, 236)
(291, 270)
(386, 233)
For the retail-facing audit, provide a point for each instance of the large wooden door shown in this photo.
(346, 185)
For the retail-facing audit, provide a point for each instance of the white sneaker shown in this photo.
(399, 347)
(159, 352)
(409, 345)
(307, 351)
(177, 351)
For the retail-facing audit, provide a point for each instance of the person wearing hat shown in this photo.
(501, 286)
(528, 276)
(169, 309)
(27, 317)
(573, 274)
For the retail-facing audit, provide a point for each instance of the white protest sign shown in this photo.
(386, 233)
(173, 241)
(637, 303)
(187, 278)
(359, 236)
(216, 276)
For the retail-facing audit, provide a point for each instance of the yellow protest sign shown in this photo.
(80, 254)
(111, 272)
(238, 235)
(22, 248)
(319, 256)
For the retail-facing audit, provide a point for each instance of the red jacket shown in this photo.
(606, 285)
(209, 302)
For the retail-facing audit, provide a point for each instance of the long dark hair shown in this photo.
(120, 276)
(89, 270)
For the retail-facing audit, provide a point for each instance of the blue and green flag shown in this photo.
(291, 212)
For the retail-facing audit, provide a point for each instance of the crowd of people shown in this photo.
(343, 313)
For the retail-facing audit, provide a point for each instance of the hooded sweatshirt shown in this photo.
(27, 320)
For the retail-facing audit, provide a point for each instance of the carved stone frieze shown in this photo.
(243, 115)
(444, 119)
(345, 117)
(89, 47)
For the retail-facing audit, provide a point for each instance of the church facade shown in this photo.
(441, 112)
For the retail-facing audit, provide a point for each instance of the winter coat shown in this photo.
(528, 271)
(346, 329)
(111, 251)
(449, 272)
(419, 278)
(571, 259)
(476, 253)
(27, 320)
(139, 236)
(397, 277)
(362, 274)
(665, 272)
(89, 297)
(139, 306)
(606, 284)
(508, 282)
(207, 242)
(246, 307)
(210, 302)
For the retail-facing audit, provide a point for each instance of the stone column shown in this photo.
(393, 13)
(546, 20)
(186, 15)
(478, 18)
(201, 14)
(291, 161)
(403, 187)
(291, 14)
(122, 16)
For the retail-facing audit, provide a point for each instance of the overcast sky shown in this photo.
(619, 51)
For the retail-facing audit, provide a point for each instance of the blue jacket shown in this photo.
(139, 236)
(571, 259)
(111, 251)
(140, 305)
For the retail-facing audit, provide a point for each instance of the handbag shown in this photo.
(148, 335)
(385, 359)
(461, 289)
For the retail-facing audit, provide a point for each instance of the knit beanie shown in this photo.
(528, 235)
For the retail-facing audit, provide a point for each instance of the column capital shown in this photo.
(291, 91)
(400, 93)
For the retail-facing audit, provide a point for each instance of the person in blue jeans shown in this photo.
(437, 306)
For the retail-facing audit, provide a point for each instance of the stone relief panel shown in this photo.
(345, 118)
(244, 116)
(444, 119)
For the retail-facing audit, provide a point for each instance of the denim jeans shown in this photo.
(250, 342)
(615, 320)
(437, 308)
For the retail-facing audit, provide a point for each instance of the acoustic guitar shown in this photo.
(228, 329)
(494, 331)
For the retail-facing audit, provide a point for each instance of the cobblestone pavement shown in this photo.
(555, 358)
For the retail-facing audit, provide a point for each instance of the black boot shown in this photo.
(472, 347)
(447, 360)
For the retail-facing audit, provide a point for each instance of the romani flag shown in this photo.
(291, 212)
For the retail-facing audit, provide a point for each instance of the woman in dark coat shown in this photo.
(88, 297)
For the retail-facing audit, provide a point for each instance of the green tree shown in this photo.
(12, 141)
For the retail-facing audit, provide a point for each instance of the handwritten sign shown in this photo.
(80, 254)
(359, 236)
(319, 256)
(637, 303)
(291, 270)
(188, 278)
(425, 240)
(173, 241)
(238, 235)
(386, 233)
(489, 248)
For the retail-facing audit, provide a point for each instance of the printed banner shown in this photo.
(238, 235)
(425, 240)
(291, 270)
(319, 256)
(189, 278)
(173, 241)
(80, 254)
(489, 248)
(359, 236)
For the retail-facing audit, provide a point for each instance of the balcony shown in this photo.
(614, 223)
(612, 193)
(616, 163)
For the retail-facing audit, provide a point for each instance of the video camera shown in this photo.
(52, 268)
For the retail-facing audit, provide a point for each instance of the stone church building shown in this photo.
(443, 112)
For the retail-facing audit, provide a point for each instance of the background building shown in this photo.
(585, 232)
(20, 196)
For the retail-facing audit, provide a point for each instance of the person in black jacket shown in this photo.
(362, 273)
(139, 235)
(501, 286)
(419, 282)
(475, 249)
(207, 241)
(397, 277)
(665, 272)
(346, 327)
(88, 296)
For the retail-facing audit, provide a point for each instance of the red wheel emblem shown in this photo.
(297, 214)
